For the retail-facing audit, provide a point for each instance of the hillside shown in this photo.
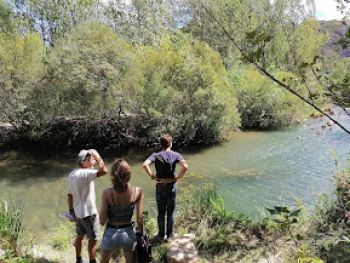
(336, 30)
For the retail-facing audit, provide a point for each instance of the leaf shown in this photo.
(300, 237)
(281, 209)
(347, 33)
(251, 35)
(303, 65)
(295, 212)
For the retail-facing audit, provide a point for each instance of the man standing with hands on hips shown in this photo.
(165, 163)
(82, 200)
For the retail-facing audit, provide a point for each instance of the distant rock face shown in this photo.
(182, 250)
(336, 31)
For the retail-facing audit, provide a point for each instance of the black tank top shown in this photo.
(121, 213)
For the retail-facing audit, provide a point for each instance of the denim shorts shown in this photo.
(124, 238)
(88, 226)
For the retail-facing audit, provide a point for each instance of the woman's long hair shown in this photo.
(121, 174)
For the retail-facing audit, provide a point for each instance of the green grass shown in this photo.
(63, 235)
(11, 229)
(294, 234)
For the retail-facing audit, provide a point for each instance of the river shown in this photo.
(253, 170)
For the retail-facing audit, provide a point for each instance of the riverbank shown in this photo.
(109, 134)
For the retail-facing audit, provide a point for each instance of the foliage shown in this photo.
(150, 224)
(262, 30)
(11, 228)
(262, 104)
(337, 78)
(283, 217)
(53, 19)
(117, 62)
(89, 73)
(143, 22)
(62, 236)
(20, 68)
(224, 236)
(6, 19)
(186, 88)
(325, 238)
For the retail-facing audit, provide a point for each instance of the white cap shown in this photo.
(82, 156)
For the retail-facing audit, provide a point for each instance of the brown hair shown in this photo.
(121, 174)
(166, 140)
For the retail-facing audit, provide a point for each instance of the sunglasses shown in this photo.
(87, 157)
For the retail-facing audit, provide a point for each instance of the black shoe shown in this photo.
(169, 238)
(158, 239)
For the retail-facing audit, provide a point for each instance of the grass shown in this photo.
(284, 235)
(63, 235)
(11, 229)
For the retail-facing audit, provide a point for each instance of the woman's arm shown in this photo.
(139, 208)
(104, 207)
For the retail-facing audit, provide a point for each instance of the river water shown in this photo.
(253, 170)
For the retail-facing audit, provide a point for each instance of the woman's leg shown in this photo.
(105, 256)
(129, 256)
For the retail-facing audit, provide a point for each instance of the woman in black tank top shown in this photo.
(117, 209)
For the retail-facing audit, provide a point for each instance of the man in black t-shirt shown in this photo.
(165, 164)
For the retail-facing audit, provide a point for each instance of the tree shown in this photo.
(139, 21)
(186, 89)
(20, 66)
(90, 72)
(53, 18)
(251, 45)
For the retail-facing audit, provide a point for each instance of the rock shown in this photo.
(2, 253)
(330, 123)
(182, 250)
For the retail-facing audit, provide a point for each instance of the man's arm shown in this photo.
(102, 169)
(183, 169)
(147, 168)
(70, 205)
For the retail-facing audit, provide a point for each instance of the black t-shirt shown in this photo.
(165, 163)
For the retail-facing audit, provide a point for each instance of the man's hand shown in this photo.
(72, 213)
(95, 154)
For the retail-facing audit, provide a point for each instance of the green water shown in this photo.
(252, 170)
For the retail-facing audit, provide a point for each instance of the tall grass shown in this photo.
(11, 216)
(11, 229)
(225, 236)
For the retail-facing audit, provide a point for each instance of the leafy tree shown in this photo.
(52, 18)
(6, 19)
(186, 87)
(90, 72)
(139, 21)
(20, 67)
(252, 41)
(262, 104)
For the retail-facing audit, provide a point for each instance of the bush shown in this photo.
(186, 90)
(262, 104)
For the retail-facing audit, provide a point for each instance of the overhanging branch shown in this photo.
(267, 74)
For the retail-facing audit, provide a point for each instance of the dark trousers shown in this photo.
(166, 203)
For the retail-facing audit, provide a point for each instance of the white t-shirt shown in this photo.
(82, 187)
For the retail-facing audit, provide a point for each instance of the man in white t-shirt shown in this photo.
(82, 200)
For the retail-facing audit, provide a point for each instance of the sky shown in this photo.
(327, 10)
